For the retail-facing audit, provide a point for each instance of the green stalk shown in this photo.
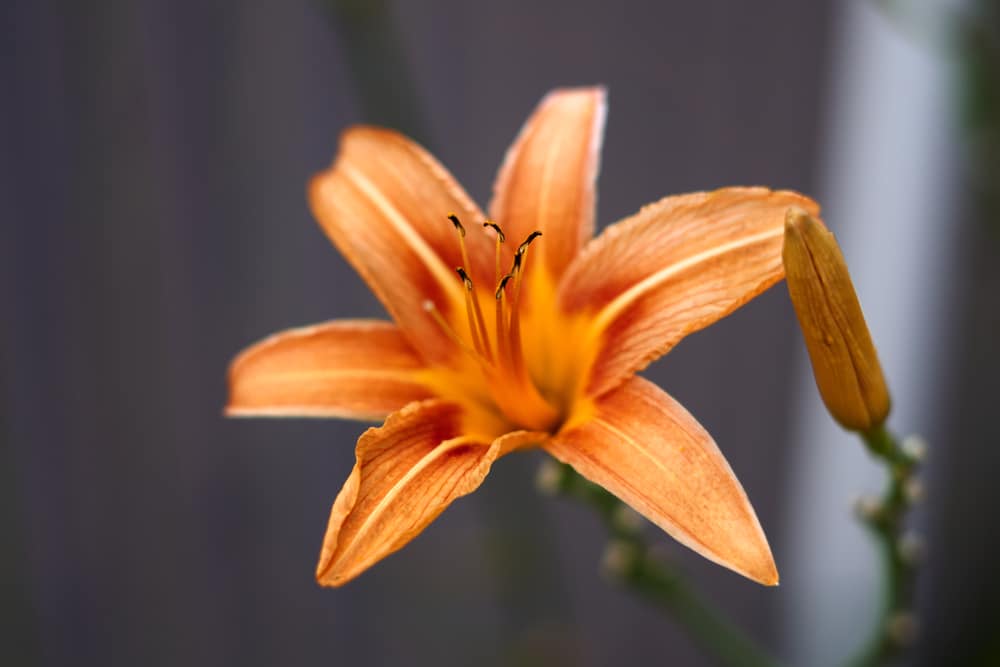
(373, 49)
(885, 521)
(633, 565)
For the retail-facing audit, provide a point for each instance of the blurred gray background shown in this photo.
(153, 222)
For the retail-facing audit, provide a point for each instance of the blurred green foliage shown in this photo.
(979, 47)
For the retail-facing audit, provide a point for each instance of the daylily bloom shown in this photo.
(533, 342)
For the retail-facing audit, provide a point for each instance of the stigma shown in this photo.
(497, 350)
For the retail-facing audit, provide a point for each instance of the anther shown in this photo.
(458, 225)
(465, 277)
(495, 227)
(531, 237)
(503, 283)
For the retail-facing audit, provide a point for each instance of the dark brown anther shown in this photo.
(458, 225)
(531, 237)
(495, 227)
(503, 283)
(465, 277)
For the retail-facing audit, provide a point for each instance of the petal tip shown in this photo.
(761, 568)
(326, 575)
(315, 185)
(771, 578)
(597, 92)
(328, 579)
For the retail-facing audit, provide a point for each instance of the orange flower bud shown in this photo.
(844, 361)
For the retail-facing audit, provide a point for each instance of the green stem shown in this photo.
(657, 582)
(373, 48)
(886, 521)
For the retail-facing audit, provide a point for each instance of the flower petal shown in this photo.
(548, 177)
(671, 269)
(385, 203)
(356, 369)
(407, 472)
(645, 448)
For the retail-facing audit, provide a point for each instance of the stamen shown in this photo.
(495, 227)
(501, 285)
(461, 238)
(501, 362)
(465, 277)
(521, 249)
(458, 225)
(503, 352)
(501, 237)
(477, 323)
(520, 259)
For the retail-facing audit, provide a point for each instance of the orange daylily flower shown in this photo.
(532, 342)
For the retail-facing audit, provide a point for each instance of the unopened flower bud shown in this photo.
(844, 361)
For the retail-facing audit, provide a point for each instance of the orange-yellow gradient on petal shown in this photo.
(355, 369)
(671, 269)
(519, 331)
(407, 472)
(548, 179)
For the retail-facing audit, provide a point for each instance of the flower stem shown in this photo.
(373, 47)
(630, 561)
(885, 520)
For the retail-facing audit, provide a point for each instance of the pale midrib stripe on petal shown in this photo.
(554, 148)
(425, 461)
(347, 374)
(634, 293)
(638, 447)
(444, 275)
(306, 412)
(682, 536)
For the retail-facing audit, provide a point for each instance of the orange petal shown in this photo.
(671, 269)
(407, 472)
(358, 369)
(645, 448)
(548, 177)
(385, 203)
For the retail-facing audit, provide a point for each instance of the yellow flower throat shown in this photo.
(498, 353)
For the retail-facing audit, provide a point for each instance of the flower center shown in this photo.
(498, 353)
